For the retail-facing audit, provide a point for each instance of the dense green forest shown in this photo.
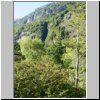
(50, 52)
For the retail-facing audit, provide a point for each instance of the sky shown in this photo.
(21, 9)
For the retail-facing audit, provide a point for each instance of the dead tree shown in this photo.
(77, 61)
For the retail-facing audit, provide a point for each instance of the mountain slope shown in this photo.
(32, 24)
(43, 12)
(50, 52)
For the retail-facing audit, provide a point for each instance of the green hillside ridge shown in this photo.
(50, 52)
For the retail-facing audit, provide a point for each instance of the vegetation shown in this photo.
(50, 57)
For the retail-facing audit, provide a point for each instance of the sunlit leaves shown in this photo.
(42, 78)
(31, 48)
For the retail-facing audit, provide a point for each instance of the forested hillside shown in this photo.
(50, 52)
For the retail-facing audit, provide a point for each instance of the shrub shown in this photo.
(43, 79)
(31, 48)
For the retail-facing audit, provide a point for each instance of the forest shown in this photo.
(50, 52)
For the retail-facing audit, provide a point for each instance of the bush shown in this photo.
(43, 79)
(31, 48)
(17, 52)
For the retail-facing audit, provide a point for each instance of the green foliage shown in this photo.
(71, 7)
(68, 58)
(43, 79)
(17, 52)
(31, 48)
(46, 69)
(18, 29)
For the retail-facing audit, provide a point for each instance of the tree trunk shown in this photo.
(77, 62)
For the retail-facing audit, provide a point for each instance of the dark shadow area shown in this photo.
(45, 32)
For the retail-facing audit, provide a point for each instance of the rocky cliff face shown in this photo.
(30, 19)
(43, 12)
(47, 19)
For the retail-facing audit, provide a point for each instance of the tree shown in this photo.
(17, 52)
(77, 25)
(31, 48)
